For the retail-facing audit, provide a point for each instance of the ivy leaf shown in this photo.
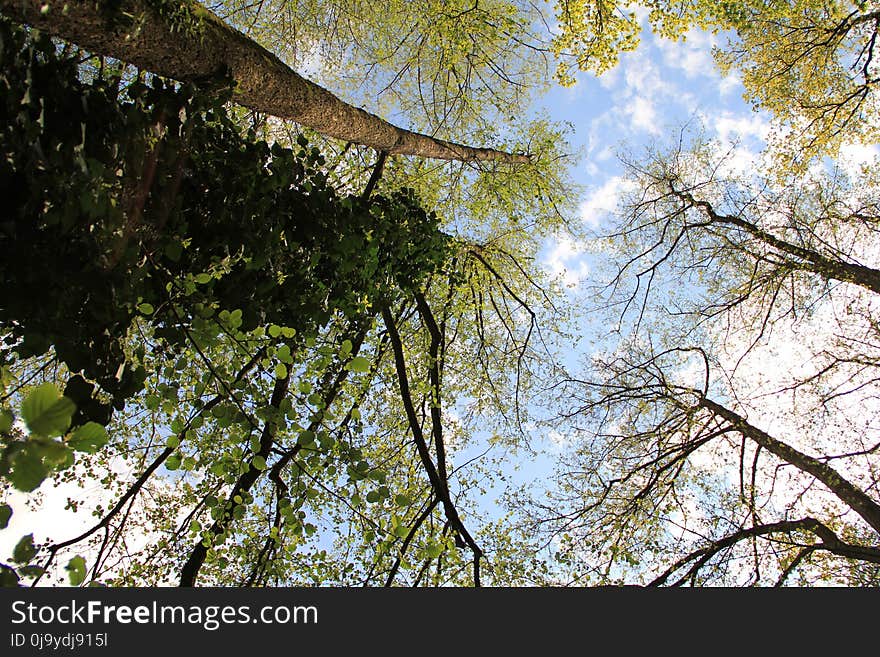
(5, 515)
(88, 438)
(358, 364)
(46, 412)
(24, 551)
(76, 570)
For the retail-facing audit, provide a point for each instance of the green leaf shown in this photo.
(31, 571)
(306, 438)
(172, 462)
(274, 330)
(88, 438)
(146, 309)
(281, 371)
(402, 500)
(259, 463)
(433, 550)
(174, 250)
(8, 578)
(28, 470)
(203, 278)
(46, 412)
(6, 420)
(24, 551)
(372, 497)
(76, 570)
(173, 442)
(283, 354)
(5, 515)
(358, 364)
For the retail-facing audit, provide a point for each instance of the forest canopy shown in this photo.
(260, 336)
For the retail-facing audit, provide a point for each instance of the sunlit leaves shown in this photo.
(46, 412)
(88, 438)
(358, 364)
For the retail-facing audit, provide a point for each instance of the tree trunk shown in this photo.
(850, 494)
(200, 45)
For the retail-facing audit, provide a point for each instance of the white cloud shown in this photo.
(735, 127)
(854, 156)
(693, 55)
(566, 260)
(643, 115)
(604, 200)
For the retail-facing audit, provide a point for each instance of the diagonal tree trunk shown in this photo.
(850, 494)
(185, 41)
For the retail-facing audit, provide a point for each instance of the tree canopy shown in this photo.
(294, 343)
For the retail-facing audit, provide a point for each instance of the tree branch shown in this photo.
(205, 46)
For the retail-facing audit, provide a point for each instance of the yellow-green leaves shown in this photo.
(46, 412)
(88, 438)
(809, 62)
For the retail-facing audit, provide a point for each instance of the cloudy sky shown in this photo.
(647, 99)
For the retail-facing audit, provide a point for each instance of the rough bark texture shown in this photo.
(135, 32)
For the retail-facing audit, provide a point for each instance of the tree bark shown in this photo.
(137, 33)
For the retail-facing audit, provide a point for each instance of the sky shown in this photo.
(656, 91)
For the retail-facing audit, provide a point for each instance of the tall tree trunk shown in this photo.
(140, 32)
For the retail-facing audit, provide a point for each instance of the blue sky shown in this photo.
(647, 99)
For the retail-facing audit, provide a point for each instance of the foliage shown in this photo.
(115, 183)
(809, 62)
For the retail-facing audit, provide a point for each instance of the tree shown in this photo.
(809, 62)
(186, 42)
(235, 322)
(704, 449)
